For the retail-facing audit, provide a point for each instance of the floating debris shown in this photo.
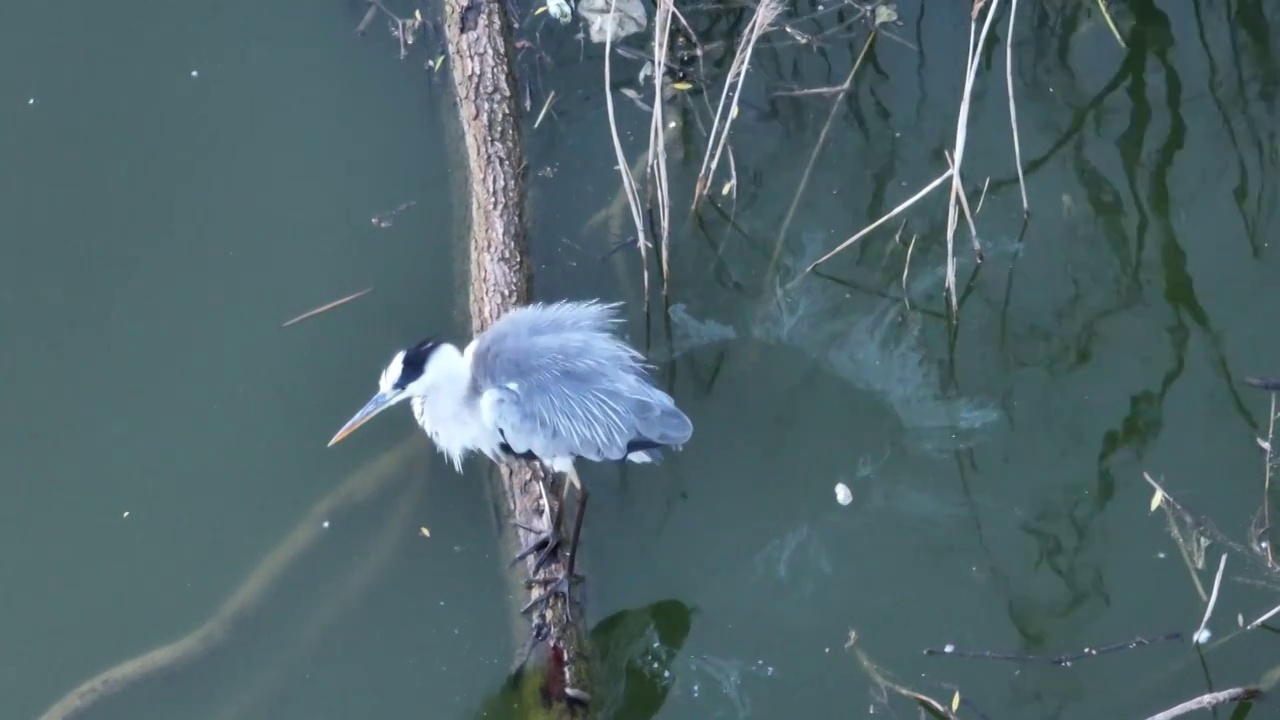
(424, 532)
(560, 10)
(844, 495)
(628, 18)
(384, 220)
(328, 306)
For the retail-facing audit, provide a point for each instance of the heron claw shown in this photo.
(558, 585)
(546, 544)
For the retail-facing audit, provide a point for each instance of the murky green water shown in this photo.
(179, 180)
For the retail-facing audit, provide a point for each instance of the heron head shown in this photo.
(406, 376)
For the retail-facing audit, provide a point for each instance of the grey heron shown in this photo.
(546, 382)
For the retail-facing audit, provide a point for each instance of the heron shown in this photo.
(546, 382)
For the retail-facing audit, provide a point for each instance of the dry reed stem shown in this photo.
(657, 140)
(1178, 540)
(892, 214)
(761, 22)
(1106, 15)
(1013, 111)
(905, 268)
(964, 205)
(962, 130)
(983, 197)
(1213, 600)
(628, 183)
(1266, 482)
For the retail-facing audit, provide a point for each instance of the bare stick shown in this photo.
(1209, 700)
(633, 198)
(1198, 637)
(327, 307)
(1060, 660)
(892, 214)
(1013, 111)
(545, 106)
(1106, 15)
(1269, 614)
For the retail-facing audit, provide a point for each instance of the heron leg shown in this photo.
(559, 584)
(546, 541)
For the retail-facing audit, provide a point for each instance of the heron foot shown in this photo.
(545, 543)
(561, 583)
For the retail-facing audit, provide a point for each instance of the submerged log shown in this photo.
(478, 33)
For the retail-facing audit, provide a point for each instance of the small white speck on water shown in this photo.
(844, 495)
(948, 648)
(126, 514)
(31, 101)
(195, 73)
(324, 524)
(1202, 637)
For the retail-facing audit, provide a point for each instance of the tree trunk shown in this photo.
(480, 55)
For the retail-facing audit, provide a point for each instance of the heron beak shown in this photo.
(376, 404)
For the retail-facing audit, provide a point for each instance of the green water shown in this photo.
(178, 180)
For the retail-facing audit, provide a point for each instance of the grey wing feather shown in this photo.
(556, 381)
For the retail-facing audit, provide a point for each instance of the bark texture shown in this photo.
(557, 675)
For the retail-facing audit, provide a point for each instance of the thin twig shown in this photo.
(543, 112)
(1198, 637)
(892, 213)
(1013, 111)
(983, 197)
(327, 307)
(1265, 617)
(1210, 700)
(628, 183)
(906, 298)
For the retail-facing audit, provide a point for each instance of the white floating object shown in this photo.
(949, 648)
(1202, 637)
(31, 101)
(195, 73)
(628, 17)
(126, 514)
(324, 524)
(560, 10)
(844, 495)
